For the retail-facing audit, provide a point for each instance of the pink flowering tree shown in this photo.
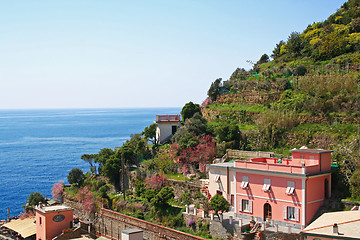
(58, 190)
(201, 154)
(157, 181)
(86, 198)
(206, 102)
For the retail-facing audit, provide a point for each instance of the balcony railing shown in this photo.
(167, 118)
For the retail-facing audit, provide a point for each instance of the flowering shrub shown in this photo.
(157, 181)
(206, 102)
(201, 154)
(191, 222)
(58, 190)
(86, 199)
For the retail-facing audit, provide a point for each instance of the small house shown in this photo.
(167, 125)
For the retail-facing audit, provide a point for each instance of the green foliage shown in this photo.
(33, 200)
(214, 89)
(229, 132)
(185, 198)
(160, 201)
(219, 204)
(149, 194)
(150, 133)
(75, 176)
(189, 110)
(140, 188)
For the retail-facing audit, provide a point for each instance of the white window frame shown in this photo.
(217, 178)
(242, 206)
(267, 185)
(295, 215)
(245, 182)
(290, 190)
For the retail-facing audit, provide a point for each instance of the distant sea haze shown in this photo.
(40, 147)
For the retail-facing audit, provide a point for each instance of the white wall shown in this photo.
(164, 130)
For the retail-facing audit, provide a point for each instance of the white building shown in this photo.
(167, 126)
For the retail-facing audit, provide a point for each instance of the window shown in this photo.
(312, 157)
(290, 190)
(245, 182)
(217, 178)
(267, 185)
(40, 220)
(173, 129)
(291, 213)
(245, 205)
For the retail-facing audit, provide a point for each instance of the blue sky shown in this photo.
(149, 53)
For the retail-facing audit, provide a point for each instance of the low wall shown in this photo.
(110, 224)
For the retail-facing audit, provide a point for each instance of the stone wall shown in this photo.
(110, 224)
(193, 188)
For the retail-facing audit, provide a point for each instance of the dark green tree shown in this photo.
(295, 44)
(219, 204)
(89, 158)
(276, 51)
(263, 59)
(33, 200)
(150, 133)
(76, 176)
(214, 89)
(228, 132)
(161, 200)
(103, 156)
(189, 110)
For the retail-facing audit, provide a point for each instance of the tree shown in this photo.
(89, 158)
(34, 199)
(189, 110)
(58, 190)
(219, 204)
(157, 181)
(102, 157)
(263, 59)
(150, 133)
(86, 198)
(75, 176)
(295, 44)
(276, 52)
(161, 200)
(214, 89)
(228, 132)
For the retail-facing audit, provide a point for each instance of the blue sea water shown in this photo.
(40, 147)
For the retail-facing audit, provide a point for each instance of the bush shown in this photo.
(76, 176)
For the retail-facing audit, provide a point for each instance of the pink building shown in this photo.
(51, 220)
(286, 191)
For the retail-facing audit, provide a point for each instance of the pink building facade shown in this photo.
(286, 191)
(51, 220)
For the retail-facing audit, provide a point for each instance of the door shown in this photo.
(267, 211)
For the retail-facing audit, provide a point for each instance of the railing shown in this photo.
(167, 118)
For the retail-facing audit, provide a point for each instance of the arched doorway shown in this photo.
(267, 211)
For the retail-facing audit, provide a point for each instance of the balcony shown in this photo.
(168, 118)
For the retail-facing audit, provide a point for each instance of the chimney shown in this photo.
(335, 229)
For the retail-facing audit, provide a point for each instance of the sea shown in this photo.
(40, 147)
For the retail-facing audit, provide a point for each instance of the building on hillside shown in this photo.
(334, 225)
(51, 220)
(286, 191)
(167, 125)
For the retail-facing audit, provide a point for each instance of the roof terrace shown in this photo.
(297, 166)
(168, 118)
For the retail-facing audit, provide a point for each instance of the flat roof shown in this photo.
(130, 231)
(311, 151)
(348, 225)
(53, 208)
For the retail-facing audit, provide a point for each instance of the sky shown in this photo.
(138, 53)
